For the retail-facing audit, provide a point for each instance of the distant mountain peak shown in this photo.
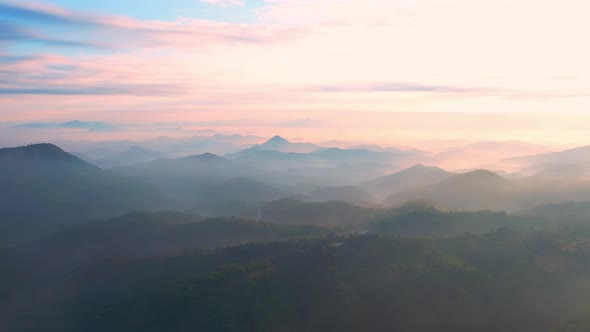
(276, 140)
(421, 168)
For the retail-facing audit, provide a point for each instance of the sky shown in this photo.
(390, 71)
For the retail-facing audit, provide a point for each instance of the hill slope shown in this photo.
(350, 194)
(44, 188)
(144, 235)
(425, 221)
(501, 282)
(485, 190)
(571, 156)
(560, 211)
(293, 211)
(414, 177)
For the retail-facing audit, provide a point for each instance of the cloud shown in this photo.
(399, 87)
(37, 125)
(326, 60)
(42, 13)
(14, 59)
(19, 33)
(119, 32)
(91, 126)
(224, 3)
(299, 123)
(97, 90)
(9, 32)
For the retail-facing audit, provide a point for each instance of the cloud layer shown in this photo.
(298, 59)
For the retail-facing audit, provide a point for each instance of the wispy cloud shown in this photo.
(43, 13)
(119, 32)
(91, 126)
(299, 123)
(98, 90)
(399, 87)
(326, 60)
(224, 3)
(18, 33)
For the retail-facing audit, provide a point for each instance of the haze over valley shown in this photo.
(294, 166)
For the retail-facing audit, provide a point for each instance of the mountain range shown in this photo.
(323, 240)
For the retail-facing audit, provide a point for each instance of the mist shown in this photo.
(294, 166)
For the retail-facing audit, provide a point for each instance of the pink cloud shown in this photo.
(120, 32)
(355, 62)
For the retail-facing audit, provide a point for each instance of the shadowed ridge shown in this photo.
(479, 175)
(207, 157)
(414, 177)
(37, 152)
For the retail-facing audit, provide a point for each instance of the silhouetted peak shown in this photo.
(36, 152)
(276, 140)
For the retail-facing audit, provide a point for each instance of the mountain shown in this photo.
(45, 188)
(350, 194)
(414, 177)
(364, 161)
(244, 189)
(206, 141)
(568, 171)
(134, 154)
(488, 154)
(560, 211)
(329, 167)
(428, 220)
(145, 235)
(203, 179)
(334, 213)
(571, 156)
(378, 148)
(486, 190)
(12, 277)
(236, 197)
(199, 166)
(358, 156)
(277, 143)
(477, 190)
(213, 143)
(505, 281)
(184, 179)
